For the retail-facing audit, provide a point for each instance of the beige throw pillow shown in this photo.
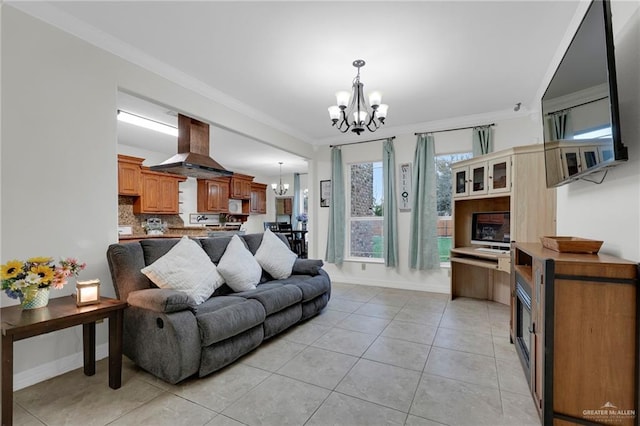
(274, 256)
(186, 267)
(238, 267)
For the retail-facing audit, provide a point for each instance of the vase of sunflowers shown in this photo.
(31, 280)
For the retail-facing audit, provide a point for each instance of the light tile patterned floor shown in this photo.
(374, 356)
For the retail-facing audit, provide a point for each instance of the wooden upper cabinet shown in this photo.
(258, 203)
(129, 179)
(160, 193)
(213, 195)
(240, 187)
(284, 206)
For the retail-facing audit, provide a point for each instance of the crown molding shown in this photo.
(52, 15)
(432, 126)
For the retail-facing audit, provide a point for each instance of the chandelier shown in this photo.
(356, 117)
(279, 188)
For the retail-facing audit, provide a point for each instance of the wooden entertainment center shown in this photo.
(511, 180)
(575, 326)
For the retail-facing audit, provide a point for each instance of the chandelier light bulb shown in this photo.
(334, 113)
(342, 98)
(381, 112)
(360, 117)
(375, 99)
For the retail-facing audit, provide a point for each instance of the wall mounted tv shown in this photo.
(580, 106)
(491, 229)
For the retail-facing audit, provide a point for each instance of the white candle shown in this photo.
(89, 294)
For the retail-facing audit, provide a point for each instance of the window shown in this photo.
(443, 190)
(365, 211)
(597, 133)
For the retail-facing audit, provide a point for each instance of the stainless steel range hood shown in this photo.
(193, 158)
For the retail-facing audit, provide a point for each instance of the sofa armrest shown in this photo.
(307, 266)
(161, 300)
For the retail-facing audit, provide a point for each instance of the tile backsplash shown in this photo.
(126, 217)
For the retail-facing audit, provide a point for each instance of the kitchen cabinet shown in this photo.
(284, 206)
(576, 334)
(258, 202)
(240, 187)
(159, 193)
(213, 195)
(129, 175)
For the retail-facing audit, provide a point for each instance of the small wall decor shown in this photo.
(325, 193)
(404, 194)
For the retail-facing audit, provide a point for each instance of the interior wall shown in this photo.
(59, 166)
(610, 211)
(521, 130)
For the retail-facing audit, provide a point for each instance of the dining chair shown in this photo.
(272, 226)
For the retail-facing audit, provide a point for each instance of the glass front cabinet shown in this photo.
(482, 177)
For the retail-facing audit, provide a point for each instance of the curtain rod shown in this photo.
(579, 105)
(459, 128)
(355, 143)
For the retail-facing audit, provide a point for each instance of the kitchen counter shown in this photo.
(180, 231)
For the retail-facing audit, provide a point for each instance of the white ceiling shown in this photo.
(233, 151)
(283, 61)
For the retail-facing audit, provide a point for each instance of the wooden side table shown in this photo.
(62, 312)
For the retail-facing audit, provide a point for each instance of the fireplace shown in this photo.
(524, 333)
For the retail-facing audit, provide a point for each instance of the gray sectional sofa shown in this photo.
(168, 335)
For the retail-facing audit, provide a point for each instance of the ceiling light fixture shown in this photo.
(279, 188)
(147, 123)
(357, 115)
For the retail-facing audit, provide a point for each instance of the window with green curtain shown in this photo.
(365, 233)
(444, 187)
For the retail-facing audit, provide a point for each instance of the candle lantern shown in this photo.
(87, 292)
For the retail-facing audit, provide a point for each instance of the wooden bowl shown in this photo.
(571, 244)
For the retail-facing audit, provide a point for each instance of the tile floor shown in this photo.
(374, 356)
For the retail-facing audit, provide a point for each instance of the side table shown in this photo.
(60, 313)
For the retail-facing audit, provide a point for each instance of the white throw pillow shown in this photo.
(186, 267)
(238, 267)
(274, 256)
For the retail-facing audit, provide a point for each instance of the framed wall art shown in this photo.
(325, 193)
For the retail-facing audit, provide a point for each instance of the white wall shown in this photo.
(59, 167)
(611, 211)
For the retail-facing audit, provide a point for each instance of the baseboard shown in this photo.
(55, 368)
(401, 285)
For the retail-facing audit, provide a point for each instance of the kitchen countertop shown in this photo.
(175, 232)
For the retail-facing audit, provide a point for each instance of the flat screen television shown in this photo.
(491, 229)
(580, 106)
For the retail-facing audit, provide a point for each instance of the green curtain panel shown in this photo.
(482, 140)
(389, 207)
(335, 239)
(423, 243)
(296, 201)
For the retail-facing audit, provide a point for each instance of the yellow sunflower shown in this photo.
(40, 259)
(11, 269)
(44, 272)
